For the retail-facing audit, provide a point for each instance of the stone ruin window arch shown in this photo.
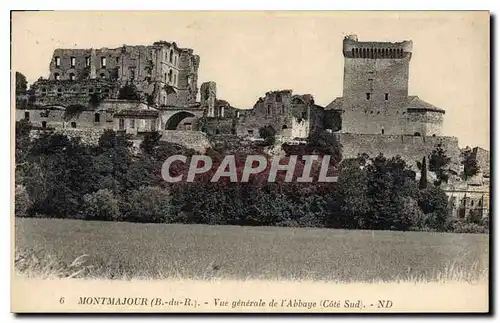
(471, 202)
(171, 56)
(382, 131)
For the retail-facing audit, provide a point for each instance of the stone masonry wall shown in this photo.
(410, 148)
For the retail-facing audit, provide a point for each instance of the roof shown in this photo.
(415, 104)
(336, 104)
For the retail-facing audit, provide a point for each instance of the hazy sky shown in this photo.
(250, 53)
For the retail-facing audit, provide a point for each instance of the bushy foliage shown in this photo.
(101, 205)
(65, 178)
(149, 204)
(438, 163)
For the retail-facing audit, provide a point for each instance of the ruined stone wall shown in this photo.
(88, 136)
(215, 126)
(58, 118)
(152, 69)
(66, 92)
(410, 148)
(483, 160)
(196, 140)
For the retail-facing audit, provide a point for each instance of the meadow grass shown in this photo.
(56, 248)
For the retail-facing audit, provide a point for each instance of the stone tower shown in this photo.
(375, 85)
(208, 95)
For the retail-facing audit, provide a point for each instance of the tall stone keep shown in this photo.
(208, 97)
(375, 90)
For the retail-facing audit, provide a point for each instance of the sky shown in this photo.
(250, 53)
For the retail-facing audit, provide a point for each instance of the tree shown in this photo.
(470, 163)
(21, 84)
(434, 204)
(352, 196)
(129, 92)
(101, 205)
(268, 134)
(423, 176)
(438, 162)
(389, 183)
(150, 142)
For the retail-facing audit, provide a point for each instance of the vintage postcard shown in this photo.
(264, 161)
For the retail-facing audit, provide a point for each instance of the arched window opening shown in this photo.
(471, 202)
(97, 117)
(382, 131)
(417, 134)
(73, 124)
(170, 76)
(171, 56)
(284, 127)
(44, 124)
(56, 76)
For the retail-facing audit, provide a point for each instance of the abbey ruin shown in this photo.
(141, 89)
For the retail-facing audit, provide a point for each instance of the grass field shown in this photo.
(156, 251)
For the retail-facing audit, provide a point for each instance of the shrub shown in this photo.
(101, 205)
(462, 226)
(149, 204)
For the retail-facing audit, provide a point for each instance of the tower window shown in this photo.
(368, 95)
(269, 109)
(278, 97)
(73, 124)
(44, 124)
(170, 76)
(171, 56)
(73, 61)
(121, 124)
(132, 123)
(386, 97)
(58, 61)
(97, 117)
(56, 76)
(27, 115)
(87, 61)
(103, 62)
(382, 131)
(71, 77)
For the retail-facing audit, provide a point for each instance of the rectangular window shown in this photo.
(121, 124)
(132, 123)
(269, 109)
(87, 61)
(368, 95)
(27, 115)
(58, 61)
(73, 124)
(250, 132)
(103, 62)
(73, 61)
(153, 125)
(387, 96)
